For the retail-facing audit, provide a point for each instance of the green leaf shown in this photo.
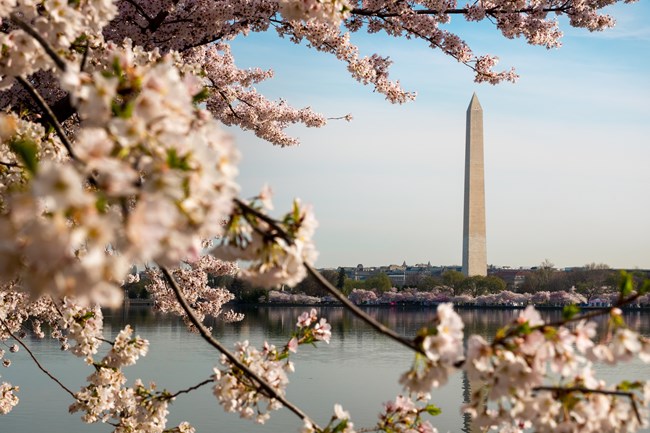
(524, 329)
(26, 151)
(645, 287)
(201, 96)
(123, 110)
(626, 284)
(177, 162)
(341, 426)
(101, 203)
(570, 311)
(433, 410)
(117, 67)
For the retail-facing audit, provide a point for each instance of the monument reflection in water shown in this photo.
(359, 369)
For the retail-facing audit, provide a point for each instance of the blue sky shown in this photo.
(567, 148)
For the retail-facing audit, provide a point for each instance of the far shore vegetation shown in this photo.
(594, 285)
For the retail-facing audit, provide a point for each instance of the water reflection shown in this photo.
(359, 368)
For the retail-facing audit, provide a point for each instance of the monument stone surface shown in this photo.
(474, 247)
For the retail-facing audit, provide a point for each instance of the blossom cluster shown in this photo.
(106, 398)
(542, 377)
(275, 296)
(7, 397)
(237, 392)
(442, 345)
(60, 24)
(340, 422)
(192, 278)
(404, 415)
(84, 325)
(331, 12)
(276, 250)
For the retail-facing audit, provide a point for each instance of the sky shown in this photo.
(567, 148)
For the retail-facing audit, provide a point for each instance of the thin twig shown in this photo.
(382, 329)
(84, 59)
(191, 388)
(582, 390)
(15, 337)
(379, 327)
(207, 336)
(141, 11)
(9, 164)
(51, 118)
(58, 61)
(463, 11)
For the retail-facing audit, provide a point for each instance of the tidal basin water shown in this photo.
(358, 369)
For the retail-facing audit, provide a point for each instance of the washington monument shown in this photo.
(474, 250)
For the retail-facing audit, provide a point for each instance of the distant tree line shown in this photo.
(591, 281)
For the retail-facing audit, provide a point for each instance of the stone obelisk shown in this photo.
(474, 249)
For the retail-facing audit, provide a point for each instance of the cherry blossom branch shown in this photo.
(38, 364)
(58, 61)
(191, 388)
(379, 327)
(462, 11)
(49, 115)
(139, 9)
(558, 390)
(595, 313)
(9, 164)
(439, 46)
(207, 336)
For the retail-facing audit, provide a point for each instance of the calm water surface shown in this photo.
(358, 369)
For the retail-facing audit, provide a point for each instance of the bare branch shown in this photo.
(139, 9)
(382, 329)
(191, 388)
(51, 118)
(38, 364)
(9, 164)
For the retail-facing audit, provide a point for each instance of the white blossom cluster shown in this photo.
(443, 349)
(59, 23)
(129, 409)
(404, 416)
(540, 377)
(276, 256)
(84, 325)
(192, 278)
(7, 397)
(232, 99)
(311, 329)
(340, 422)
(331, 12)
(238, 392)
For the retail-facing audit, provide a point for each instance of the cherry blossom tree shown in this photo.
(112, 154)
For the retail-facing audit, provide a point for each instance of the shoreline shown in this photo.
(149, 303)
